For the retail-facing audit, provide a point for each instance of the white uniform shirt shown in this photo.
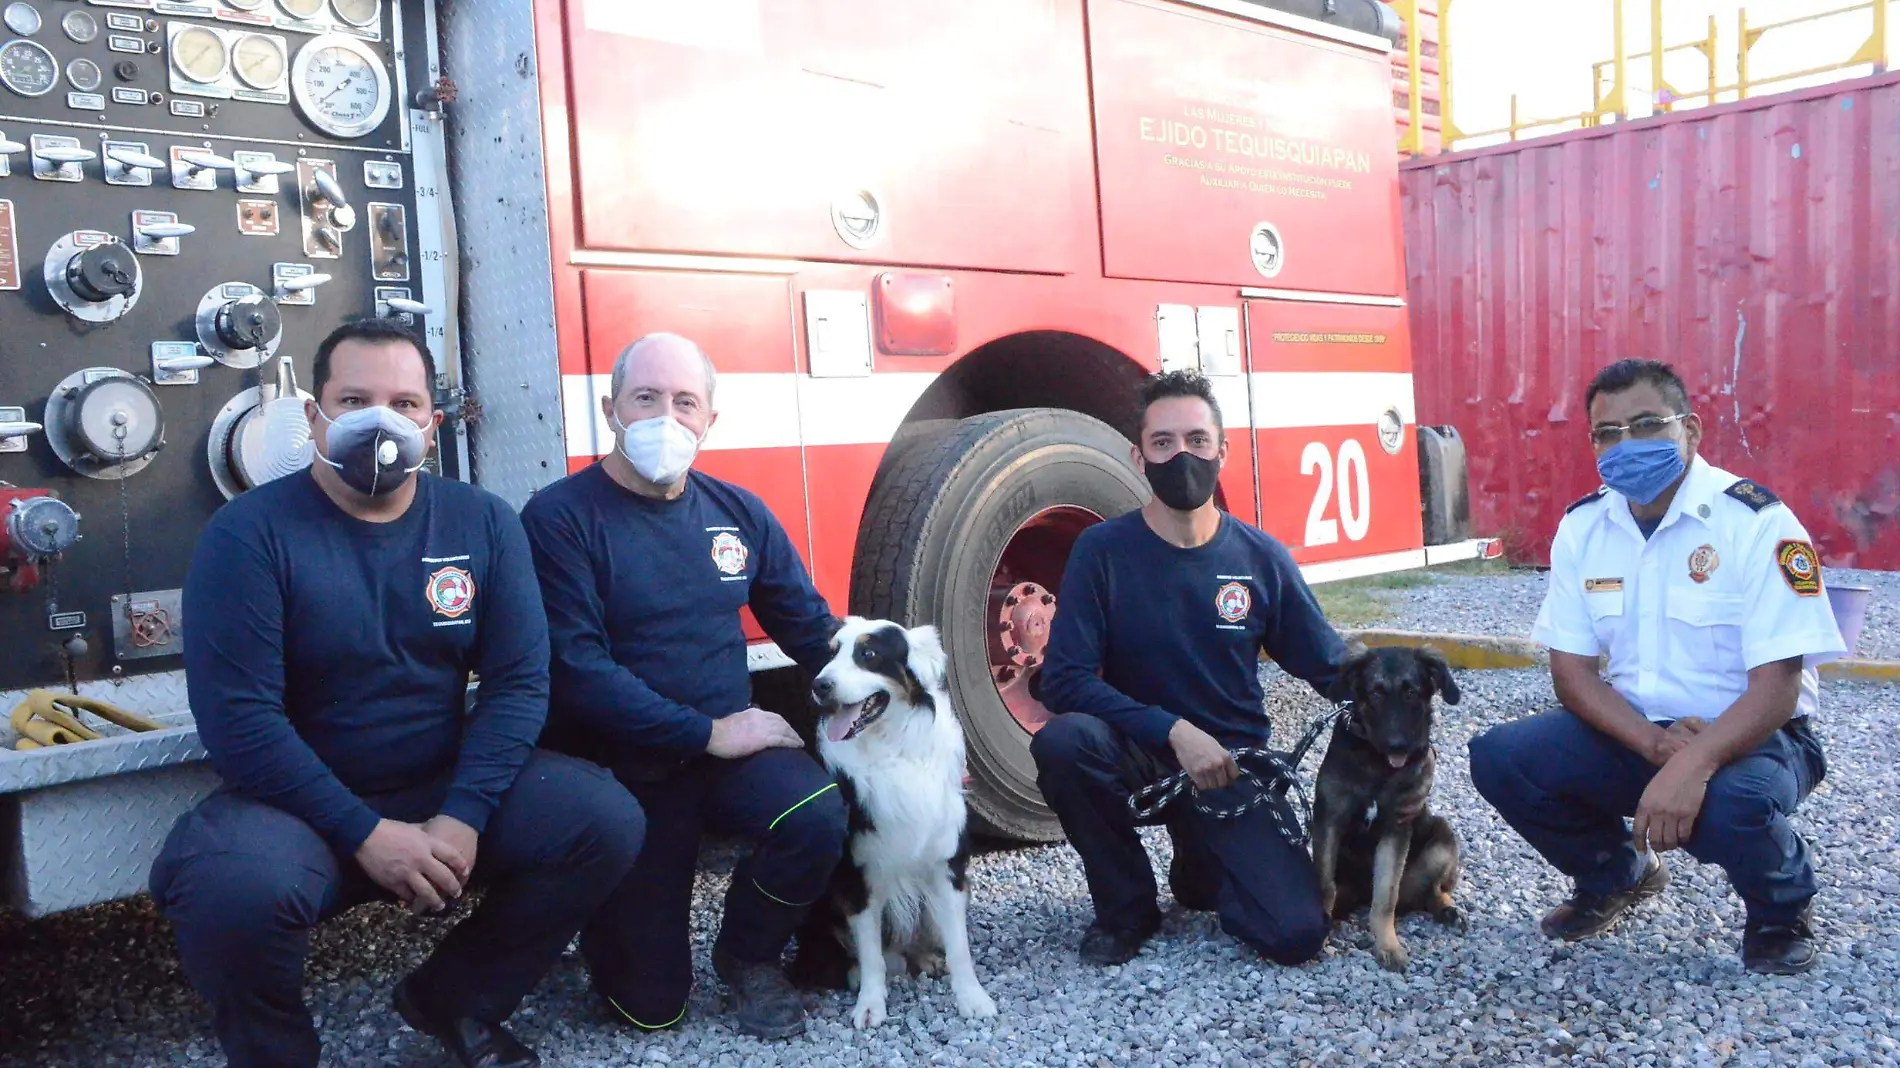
(1722, 586)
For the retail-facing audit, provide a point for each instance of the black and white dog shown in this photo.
(888, 733)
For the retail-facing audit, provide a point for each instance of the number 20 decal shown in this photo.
(1355, 508)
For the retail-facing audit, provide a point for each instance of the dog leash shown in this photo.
(1271, 773)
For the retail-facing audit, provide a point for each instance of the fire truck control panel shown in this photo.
(191, 195)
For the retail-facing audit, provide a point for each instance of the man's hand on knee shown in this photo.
(1206, 761)
(751, 731)
(454, 844)
(1674, 739)
(400, 858)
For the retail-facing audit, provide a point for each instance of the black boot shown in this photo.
(1586, 915)
(472, 1043)
(764, 1003)
(1778, 948)
(1105, 946)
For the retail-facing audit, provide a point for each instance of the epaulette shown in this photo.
(1752, 494)
(1586, 499)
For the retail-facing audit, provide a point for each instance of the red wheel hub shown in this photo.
(1023, 605)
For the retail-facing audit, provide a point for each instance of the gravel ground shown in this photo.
(102, 987)
(1506, 605)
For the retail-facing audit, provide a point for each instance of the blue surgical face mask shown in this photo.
(1642, 470)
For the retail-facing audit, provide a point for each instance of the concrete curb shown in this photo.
(1476, 652)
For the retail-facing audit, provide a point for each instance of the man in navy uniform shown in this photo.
(335, 618)
(1706, 593)
(645, 564)
(1153, 667)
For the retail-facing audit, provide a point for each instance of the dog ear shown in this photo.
(927, 658)
(1439, 672)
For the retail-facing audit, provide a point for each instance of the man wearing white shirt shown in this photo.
(1705, 592)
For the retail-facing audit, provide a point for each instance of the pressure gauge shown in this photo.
(245, 5)
(199, 54)
(23, 18)
(84, 74)
(357, 12)
(80, 26)
(340, 85)
(303, 9)
(28, 68)
(259, 61)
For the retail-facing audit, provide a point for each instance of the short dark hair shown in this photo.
(375, 332)
(1624, 374)
(1185, 383)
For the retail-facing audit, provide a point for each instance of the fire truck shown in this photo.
(931, 248)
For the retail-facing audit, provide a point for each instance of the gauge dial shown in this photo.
(303, 9)
(356, 12)
(244, 5)
(84, 74)
(340, 86)
(199, 54)
(259, 61)
(23, 18)
(28, 68)
(80, 26)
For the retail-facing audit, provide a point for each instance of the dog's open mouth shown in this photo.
(848, 721)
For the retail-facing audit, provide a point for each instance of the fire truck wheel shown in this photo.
(970, 530)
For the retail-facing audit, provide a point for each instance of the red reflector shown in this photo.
(916, 314)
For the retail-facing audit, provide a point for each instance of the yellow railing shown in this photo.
(1611, 102)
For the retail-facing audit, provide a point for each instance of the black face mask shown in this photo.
(1185, 482)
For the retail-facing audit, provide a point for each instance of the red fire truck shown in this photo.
(931, 249)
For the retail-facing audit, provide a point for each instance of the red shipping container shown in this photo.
(1754, 245)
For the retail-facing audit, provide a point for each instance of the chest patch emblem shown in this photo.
(1233, 602)
(451, 592)
(1800, 568)
(1703, 562)
(728, 553)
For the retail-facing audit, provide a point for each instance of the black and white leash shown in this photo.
(1271, 773)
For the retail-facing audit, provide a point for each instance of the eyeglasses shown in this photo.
(1648, 426)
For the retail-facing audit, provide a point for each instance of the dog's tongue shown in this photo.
(1398, 760)
(839, 725)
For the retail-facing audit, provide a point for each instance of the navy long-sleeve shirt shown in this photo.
(643, 600)
(328, 659)
(1147, 633)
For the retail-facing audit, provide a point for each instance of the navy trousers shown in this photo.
(1265, 888)
(638, 946)
(243, 883)
(1567, 788)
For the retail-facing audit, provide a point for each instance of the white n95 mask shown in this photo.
(660, 449)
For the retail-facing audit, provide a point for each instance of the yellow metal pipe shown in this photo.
(1414, 143)
(1875, 50)
(1658, 89)
(1622, 67)
(1741, 54)
(1448, 132)
(1711, 53)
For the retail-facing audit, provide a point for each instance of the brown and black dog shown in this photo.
(1377, 769)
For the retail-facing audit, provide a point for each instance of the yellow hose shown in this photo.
(48, 718)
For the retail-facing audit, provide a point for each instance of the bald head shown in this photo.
(663, 360)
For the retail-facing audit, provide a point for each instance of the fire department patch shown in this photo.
(1703, 562)
(1800, 567)
(1233, 602)
(451, 592)
(728, 553)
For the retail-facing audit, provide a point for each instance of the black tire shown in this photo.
(933, 532)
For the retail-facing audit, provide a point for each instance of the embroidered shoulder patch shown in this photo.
(1586, 499)
(1800, 567)
(1753, 494)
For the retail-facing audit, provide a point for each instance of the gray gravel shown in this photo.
(102, 987)
(1506, 605)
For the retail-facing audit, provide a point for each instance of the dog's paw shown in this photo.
(1393, 958)
(975, 1003)
(1452, 916)
(869, 1012)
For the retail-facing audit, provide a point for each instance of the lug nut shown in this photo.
(1048, 598)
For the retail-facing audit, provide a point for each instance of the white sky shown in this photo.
(1542, 50)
